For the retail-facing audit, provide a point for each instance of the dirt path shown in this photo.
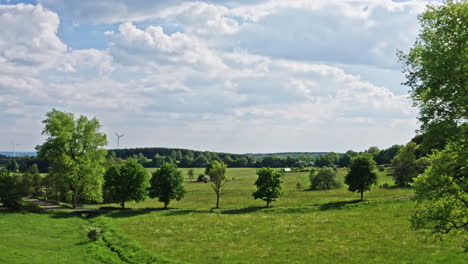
(44, 205)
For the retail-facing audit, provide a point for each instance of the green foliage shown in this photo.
(217, 172)
(436, 71)
(12, 165)
(167, 184)
(404, 165)
(12, 190)
(32, 181)
(325, 179)
(441, 192)
(361, 175)
(268, 185)
(328, 160)
(94, 232)
(128, 182)
(385, 156)
(74, 150)
(190, 174)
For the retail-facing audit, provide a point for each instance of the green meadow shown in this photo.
(301, 227)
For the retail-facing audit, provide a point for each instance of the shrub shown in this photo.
(385, 186)
(381, 168)
(203, 178)
(11, 190)
(325, 179)
(298, 186)
(94, 232)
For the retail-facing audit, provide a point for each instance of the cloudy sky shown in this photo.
(221, 75)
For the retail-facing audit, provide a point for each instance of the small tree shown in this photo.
(217, 172)
(325, 179)
(268, 185)
(11, 190)
(129, 182)
(361, 175)
(404, 166)
(190, 174)
(166, 184)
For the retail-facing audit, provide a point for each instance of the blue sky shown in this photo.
(233, 76)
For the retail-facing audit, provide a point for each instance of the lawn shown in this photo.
(43, 238)
(302, 227)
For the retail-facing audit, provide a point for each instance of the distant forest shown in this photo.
(185, 158)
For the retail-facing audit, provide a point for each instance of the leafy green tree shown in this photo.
(441, 192)
(201, 161)
(12, 165)
(268, 185)
(128, 182)
(167, 184)
(385, 156)
(191, 174)
(217, 172)
(345, 160)
(362, 174)
(32, 181)
(11, 190)
(325, 179)
(186, 162)
(436, 71)
(404, 165)
(74, 151)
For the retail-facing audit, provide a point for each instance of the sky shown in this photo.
(221, 75)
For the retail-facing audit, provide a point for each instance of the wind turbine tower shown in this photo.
(118, 139)
(14, 148)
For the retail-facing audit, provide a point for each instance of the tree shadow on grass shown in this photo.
(337, 205)
(243, 210)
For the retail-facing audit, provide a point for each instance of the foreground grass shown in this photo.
(351, 232)
(42, 238)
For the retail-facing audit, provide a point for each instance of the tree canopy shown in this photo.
(74, 150)
(167, 184)
(127, 182)
(362, 174)
(217, 172)
(268, 185)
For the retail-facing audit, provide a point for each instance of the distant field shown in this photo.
(239, 192)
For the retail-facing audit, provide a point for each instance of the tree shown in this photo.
(217, 172)
(201, 161)
(12, 165)
(268, 185)
(441, 192)
(128, 182)
(325, 179)
(167, 184)
(361, 175)
(32, 181)
(345, 160)
(190, 174)
(74, 151)
(11, 190)
(404, 167)
(436, 71)
(385, 156)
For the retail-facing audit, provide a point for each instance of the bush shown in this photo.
(298, 186)
(325, 179)
(385, 186)
(381, 168)
(203, 178)
(11, 190)
(94, 232)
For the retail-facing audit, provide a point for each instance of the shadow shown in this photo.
(184, 212)
(61, 215)
(337, 205)
(244, 210)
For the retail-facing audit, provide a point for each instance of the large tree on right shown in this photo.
(436, 69)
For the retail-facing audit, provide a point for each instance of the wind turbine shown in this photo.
(118, 139)
(14, 148)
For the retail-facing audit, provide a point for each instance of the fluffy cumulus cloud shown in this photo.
(235, 76)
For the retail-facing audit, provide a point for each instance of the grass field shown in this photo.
(302, 227)
(43, 238)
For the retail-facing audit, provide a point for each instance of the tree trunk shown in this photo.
(122, 204)
(362, 195)
(217, 201)
(268, 204)
(75, 201)
(166, 204)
